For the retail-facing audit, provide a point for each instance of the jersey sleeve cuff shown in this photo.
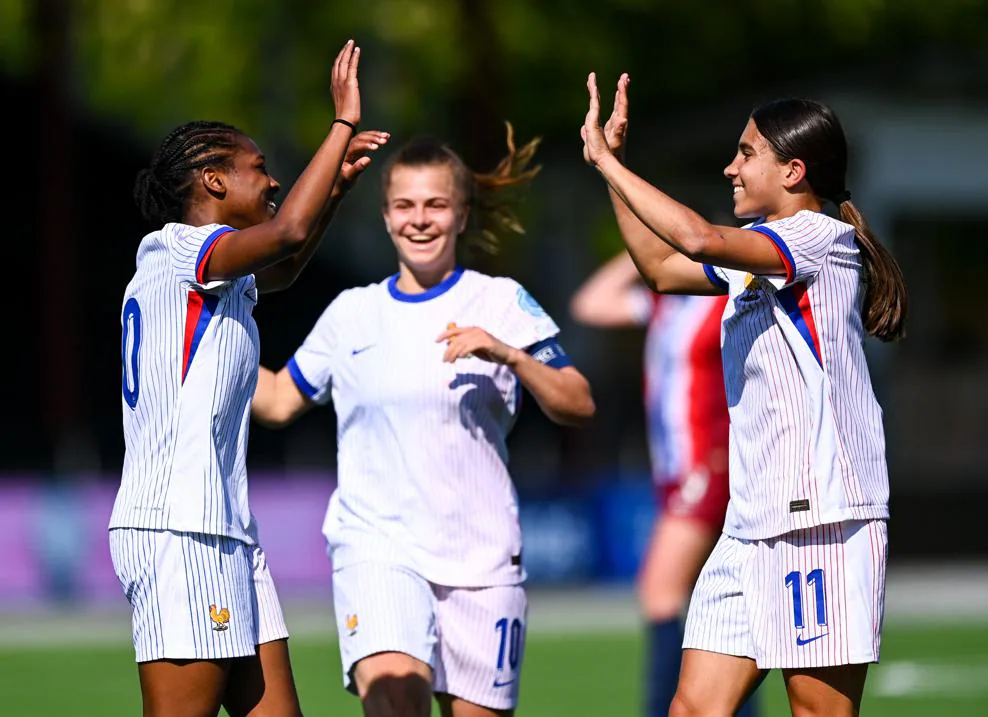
(715, 278)
(781, 248)
(304, 386)
(206, 250)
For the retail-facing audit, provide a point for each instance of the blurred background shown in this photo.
(89, 87)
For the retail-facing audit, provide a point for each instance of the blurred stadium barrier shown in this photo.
(56, 546)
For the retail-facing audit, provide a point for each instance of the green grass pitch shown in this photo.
(929, 670)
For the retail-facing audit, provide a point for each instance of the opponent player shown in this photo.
(797, 579)
(686, 414)
(425, 370)
(208, 627)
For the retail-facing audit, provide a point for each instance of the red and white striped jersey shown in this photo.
(807, 442)
(685, 407)
(190, 356)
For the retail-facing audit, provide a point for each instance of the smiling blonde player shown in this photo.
(797, 580)
(425, 371)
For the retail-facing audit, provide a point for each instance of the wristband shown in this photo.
(346, 123)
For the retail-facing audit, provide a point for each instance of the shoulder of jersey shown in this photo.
(502, 284)
(806, 216)
(360, 294)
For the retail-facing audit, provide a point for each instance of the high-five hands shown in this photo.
(357, 156)
(344, 86)
(599, 142)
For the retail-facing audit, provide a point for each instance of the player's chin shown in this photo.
(745, 211)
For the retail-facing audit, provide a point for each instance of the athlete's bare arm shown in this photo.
(283, 274)
(563, 394)
(277, 400)
(255, 248)
(613, 296)
(668, 241)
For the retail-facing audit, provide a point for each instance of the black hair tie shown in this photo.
(842, 197)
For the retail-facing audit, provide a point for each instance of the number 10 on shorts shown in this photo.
(814, 579)
(509, 633)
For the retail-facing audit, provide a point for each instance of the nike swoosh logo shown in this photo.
(361, 350)
(503, 684)
(800, 641)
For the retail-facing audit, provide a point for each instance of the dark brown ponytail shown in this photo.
(886, 300)
(810, 131)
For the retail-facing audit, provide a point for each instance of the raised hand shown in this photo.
(468, 341)
(357, 158)
(595, 146)
(346, 90)
(616, 128)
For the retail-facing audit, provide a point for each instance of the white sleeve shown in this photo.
(523, 322)
(190, 248)
(312, 365)
(802, 241)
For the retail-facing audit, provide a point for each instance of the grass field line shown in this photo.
(912, 678)
(917, 595)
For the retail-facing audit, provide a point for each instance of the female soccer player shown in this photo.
(797, 579)
(686, 414)
(425, 370)
(208, 627)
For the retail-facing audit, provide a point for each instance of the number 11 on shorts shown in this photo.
(815, 579)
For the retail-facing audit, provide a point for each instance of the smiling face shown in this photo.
(760, 182)
(250, 190)
(424, 212)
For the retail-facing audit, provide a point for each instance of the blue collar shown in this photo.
(431, 293)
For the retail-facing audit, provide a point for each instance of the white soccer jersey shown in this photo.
(422, 462)
(190, 357)
(807, 445)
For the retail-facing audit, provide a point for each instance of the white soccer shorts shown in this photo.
(472, 638)
(809, 598)
(195, 596)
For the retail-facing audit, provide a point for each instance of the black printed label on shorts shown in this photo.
(798, 506)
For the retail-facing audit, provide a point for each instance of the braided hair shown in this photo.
(492, 196)
(162, 190)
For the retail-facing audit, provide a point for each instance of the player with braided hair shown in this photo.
(425, 371)
(207, 624)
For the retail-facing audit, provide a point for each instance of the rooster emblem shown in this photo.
(220, 618)
(351, 624)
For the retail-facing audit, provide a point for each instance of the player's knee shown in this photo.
(683, 705)
(394, 695)
(393, 685)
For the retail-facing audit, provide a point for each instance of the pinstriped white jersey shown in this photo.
(190, 358)
(807, 445)
(422, 461)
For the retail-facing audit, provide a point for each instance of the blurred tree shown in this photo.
(151, 64)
